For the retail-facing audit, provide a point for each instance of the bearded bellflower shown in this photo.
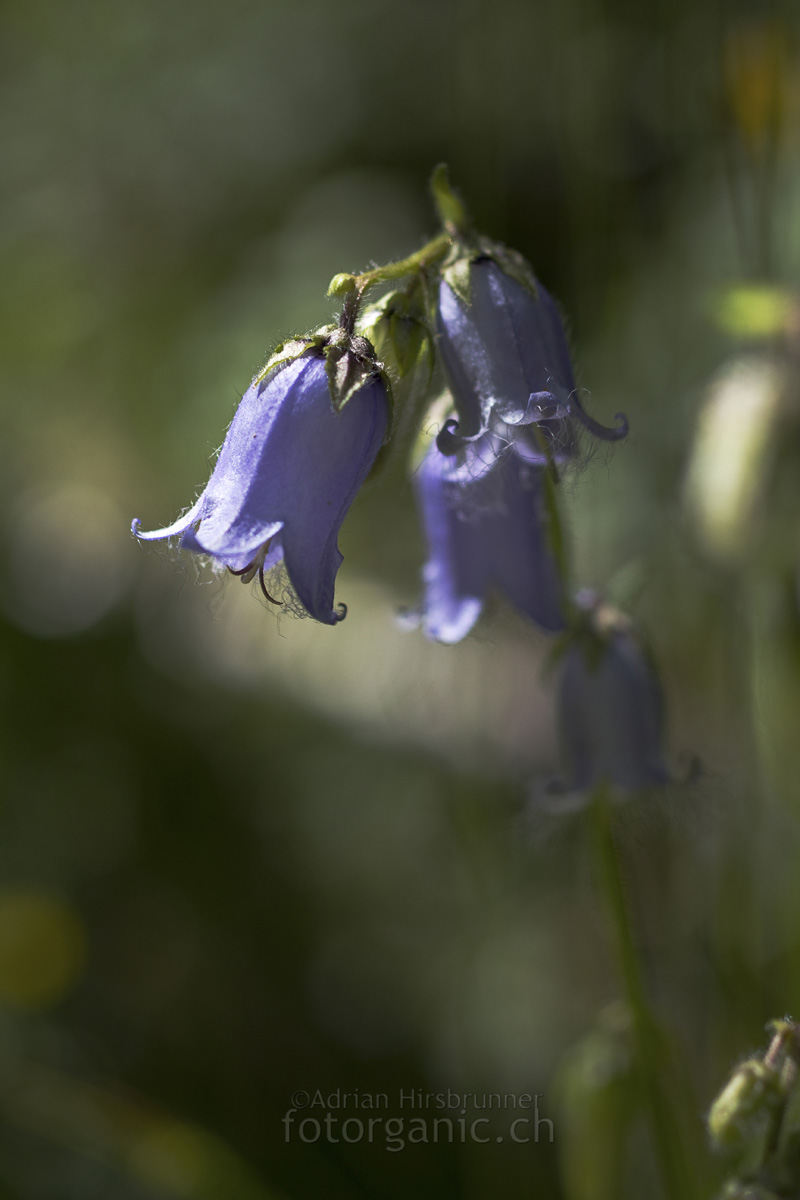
(504, 351)
(487, 526)
(302, 442)
(610, 705)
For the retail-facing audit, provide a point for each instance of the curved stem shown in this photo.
(781, 1055)
(431, 252)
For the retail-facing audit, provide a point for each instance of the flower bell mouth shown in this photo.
(543, 409)
(256, 567)
(505, 356)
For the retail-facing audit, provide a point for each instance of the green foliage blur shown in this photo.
(243, 856)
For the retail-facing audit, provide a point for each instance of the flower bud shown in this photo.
(610, 705)
(598, 1096)
(734, 455)
(744, 1105)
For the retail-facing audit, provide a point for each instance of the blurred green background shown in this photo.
(240, 854)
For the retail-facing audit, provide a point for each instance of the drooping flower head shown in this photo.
(302, 442)
(610, 705)
(488, 526)
(504, 352)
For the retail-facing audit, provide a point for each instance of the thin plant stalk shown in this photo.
(678, 1180)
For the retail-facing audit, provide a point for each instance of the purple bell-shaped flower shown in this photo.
(487, 526)
(504, 352)
(286, 475)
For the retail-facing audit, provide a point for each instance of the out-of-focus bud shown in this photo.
(597, 1091)
(750, 1116)
(749, 408)
(610, 706)
(743, 494)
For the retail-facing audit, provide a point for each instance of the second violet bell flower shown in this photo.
(504, 352)
(487, 526)
(287, 473)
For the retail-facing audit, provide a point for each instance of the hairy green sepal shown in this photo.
(457, 266)
(397, 327)
(350, 361)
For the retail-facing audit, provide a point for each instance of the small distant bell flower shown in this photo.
(504, 351)
(290, 467)
(610, 705)
(487, 527)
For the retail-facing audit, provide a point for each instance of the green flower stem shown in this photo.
(343, 284)
(349, 313)
(456, 224)
(679, 1183)
(555, 525)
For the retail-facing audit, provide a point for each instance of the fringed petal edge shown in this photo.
(602, 432)
(173, 530)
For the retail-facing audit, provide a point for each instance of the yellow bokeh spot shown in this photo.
(42, 948)
(754, 311)
(755, 71)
